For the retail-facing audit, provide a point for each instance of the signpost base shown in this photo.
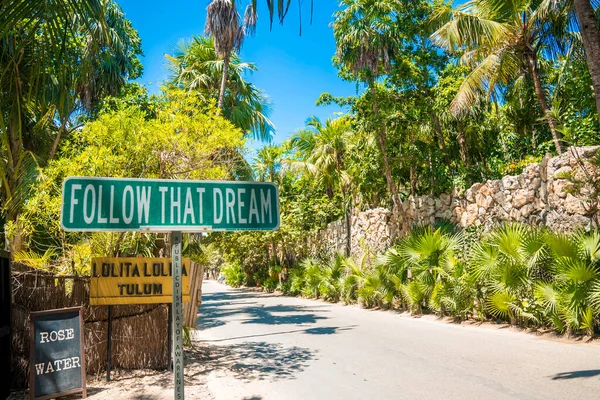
(108, 343)
(177, 318)
(170, 336)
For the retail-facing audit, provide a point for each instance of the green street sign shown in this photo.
(161, 205)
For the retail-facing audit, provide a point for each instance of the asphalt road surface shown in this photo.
(264, 346)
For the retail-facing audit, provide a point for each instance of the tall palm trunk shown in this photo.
(412, 166)
(14, 164)
(543, 102)
(588, 26)
(437, 127)
(462, 145)
(346, 206)
(382, 140)
(59, 135)
(431, 173)
(224, 81)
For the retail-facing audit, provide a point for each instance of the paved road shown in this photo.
(263, 346)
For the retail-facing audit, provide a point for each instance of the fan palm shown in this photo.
(195, 66)
(353, 278)
(365, 36)
(313, 278)
(430, 258)
(504, 267)
(333, 272)
(501, 40)
(571, 296)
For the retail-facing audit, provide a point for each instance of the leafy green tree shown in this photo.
(321, 151)
(100, 68)
(50, 73)
(590, 37)
(366, 38)
(184, 140)
(500, 40)
(196, 67)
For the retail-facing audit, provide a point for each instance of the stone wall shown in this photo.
(558, 193)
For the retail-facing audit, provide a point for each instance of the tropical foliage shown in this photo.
(524, 276)
(195, 67)
(447, 95)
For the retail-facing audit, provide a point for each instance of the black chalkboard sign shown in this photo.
(57, 360)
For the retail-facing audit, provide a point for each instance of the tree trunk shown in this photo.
(382, 140)
(431, 173)
(59, 134)
(462, 145)
(348, 221)
(224, 81)
(541, 95)
(13, 176)
(588, 26)
(440, 134)
(412, 167)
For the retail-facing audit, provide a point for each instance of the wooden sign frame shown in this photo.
(82, 389)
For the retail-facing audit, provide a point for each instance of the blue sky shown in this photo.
(293, 70)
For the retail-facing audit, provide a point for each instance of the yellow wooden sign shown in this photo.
(135, 280)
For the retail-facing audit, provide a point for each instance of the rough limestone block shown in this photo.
(510, 183)
(574, 205)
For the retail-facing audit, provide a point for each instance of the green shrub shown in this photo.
(571, 297)
(517, 273)
(313, 278)
(234, 274)
(331, 283)
(504, 267)
(296, 280)
(270, 284)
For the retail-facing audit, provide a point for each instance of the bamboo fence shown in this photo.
(139, 332)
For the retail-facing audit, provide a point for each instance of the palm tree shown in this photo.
(500, 40)
(281, 8)
(108, 54)
(365, 36)
(590, 36)
(12, 12)
(322, 149)
(50, 68)
(224, 24)
(196, 67)
(268, 162)
(27, 14)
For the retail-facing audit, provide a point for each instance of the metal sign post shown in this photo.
(177, 316)
(93, 204)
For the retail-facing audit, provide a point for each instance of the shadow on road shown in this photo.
(256, 360)
(577, 374)
(326, 330)
(216, 307)
(251, 361)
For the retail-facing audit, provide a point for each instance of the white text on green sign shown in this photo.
(119, 204)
